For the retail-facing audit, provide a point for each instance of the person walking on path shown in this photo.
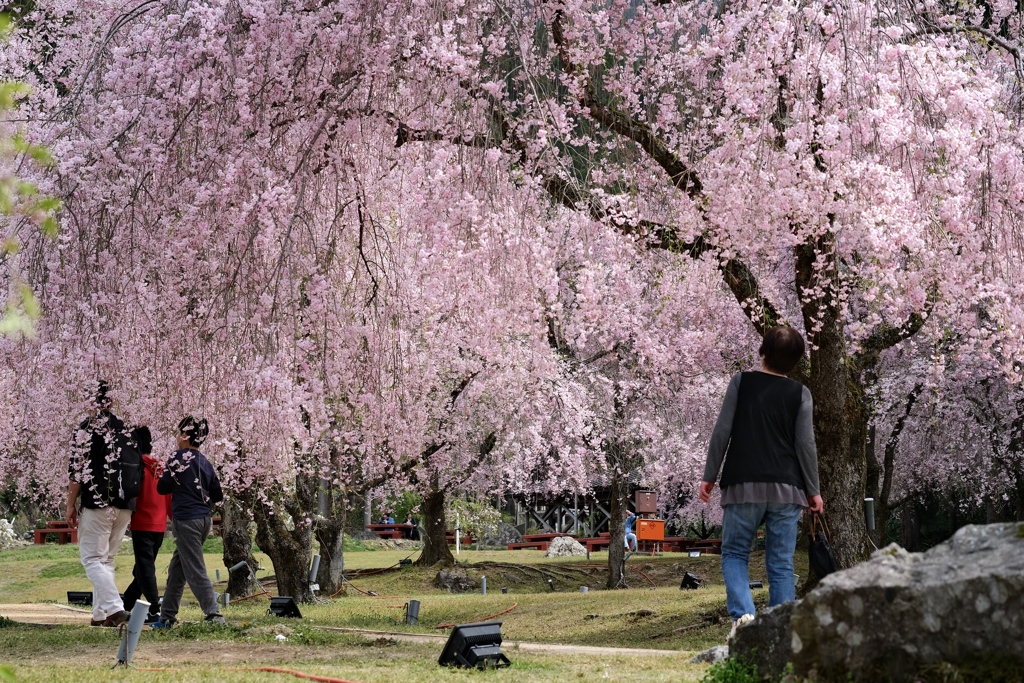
(194, 488)
(104, 517)
(149, 524)
(765, 435)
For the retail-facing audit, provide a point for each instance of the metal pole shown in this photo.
(869, 513)
(131, 634)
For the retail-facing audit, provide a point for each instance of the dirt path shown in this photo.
(509, 644)
(231, 653)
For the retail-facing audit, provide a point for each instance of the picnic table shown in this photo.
(528, 538)
(396, 530)
(449, 536)
(58, 527)
(678, 544)
(538, 545)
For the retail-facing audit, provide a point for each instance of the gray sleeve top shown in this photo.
(806, 453)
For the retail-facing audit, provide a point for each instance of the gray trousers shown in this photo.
(187, 565)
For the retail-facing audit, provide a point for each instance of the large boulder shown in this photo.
(454, 580)
(766, 640)
(961, 602)
(565, 546)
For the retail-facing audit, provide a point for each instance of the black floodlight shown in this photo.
(756, 584)
(284, 606)
(690, 582)
(80, 598)
(474, 645)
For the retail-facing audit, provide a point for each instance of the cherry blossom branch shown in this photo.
(887, 335)
(997, 40)
(893, 442)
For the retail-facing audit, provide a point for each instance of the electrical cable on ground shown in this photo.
(641, 571)
(345, 580)
(477, 621)
(265, 669)
(254, 595)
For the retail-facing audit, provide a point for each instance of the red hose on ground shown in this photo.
(646, 577)
(477, 621)
(254, 595)
(265, 669)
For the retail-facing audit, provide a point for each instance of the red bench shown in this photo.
(389, 530)
(539, 545)
(60, 528)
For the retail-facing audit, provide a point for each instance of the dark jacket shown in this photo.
(763, 443)
(93, 462)
(192, 483)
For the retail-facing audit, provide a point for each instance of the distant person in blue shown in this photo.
(765, 434)
(194, 487)
(630, 535)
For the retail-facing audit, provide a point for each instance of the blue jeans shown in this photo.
(630, 536)
(739, 529)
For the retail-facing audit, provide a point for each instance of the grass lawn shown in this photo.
(660, 617)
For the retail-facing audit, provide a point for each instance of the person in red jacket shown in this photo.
(149, 523)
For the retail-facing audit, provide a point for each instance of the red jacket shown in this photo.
(151, 508)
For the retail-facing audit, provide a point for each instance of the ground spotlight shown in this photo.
(474, 645)
(284, 606)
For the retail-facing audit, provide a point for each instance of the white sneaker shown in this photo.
(745, 619)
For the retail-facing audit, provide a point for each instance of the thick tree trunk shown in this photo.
(237, 537)
(329, 535)
(619, 503)
(290, 549)
(840, 420)
(435, 546)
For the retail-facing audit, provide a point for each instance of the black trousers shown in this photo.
(146, 545)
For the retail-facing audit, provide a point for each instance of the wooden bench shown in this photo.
(393, 530)
(594, 544)
(530, 538)
(60, 528)
(539, 545)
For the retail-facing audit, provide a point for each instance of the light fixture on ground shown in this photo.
(80, 598)
(474, 645)
(284, 606)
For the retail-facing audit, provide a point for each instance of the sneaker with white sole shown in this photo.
(162, 625)
(745, 619)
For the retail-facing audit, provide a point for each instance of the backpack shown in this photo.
(124, 477)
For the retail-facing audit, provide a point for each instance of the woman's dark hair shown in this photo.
(143, 439)
(195, 430)
(782, 348)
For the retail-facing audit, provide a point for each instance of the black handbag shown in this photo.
(822, 559)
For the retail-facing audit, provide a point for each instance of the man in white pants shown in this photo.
(104, 517)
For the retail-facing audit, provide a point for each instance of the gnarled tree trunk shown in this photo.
(237, 538)
(619, 503)
(290, 549)
(329, 534)
(435, 546)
